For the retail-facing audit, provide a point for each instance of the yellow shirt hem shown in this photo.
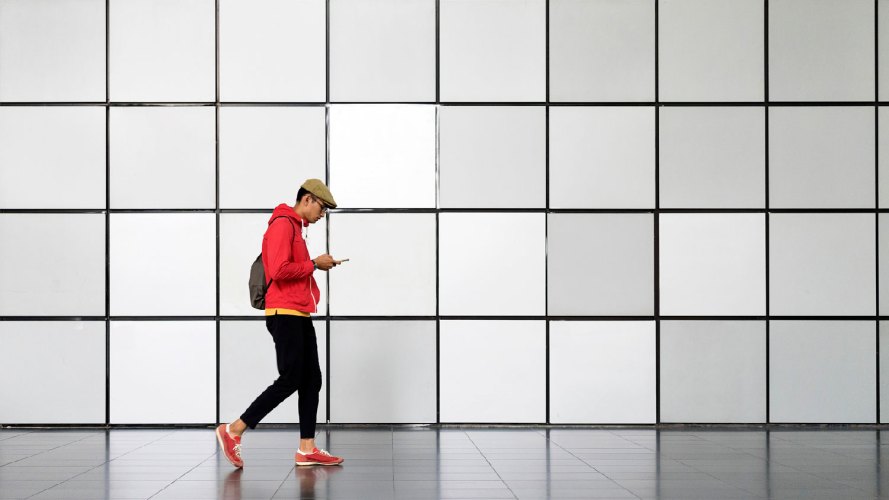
(292, 312)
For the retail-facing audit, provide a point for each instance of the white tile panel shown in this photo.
(52, 265)
(52, 50)
(492, 157)
(712, 157)
(162, 50)
(822, 371)
(711, 50)
(822, 264)
(52, 157)
(601, 157)
(712, 264)
(821, 51)
(884, 371)
(163, 157)
(53, 372)
(600, 264)
(272, 51)
(602, 372)
(382, 50)
(164, 264)
(713, 371)
(492, 264)
(883, 159)
(492, 50)
(382, 371)
(883, 278)
(883, 48)
(266, 153)
(383, 156)
(821, 157)
(163, 372)
(601, 51)
(492, 371)
(392, 276)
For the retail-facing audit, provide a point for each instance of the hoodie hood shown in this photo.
(287, 211)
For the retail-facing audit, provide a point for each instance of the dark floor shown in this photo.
(424, 463)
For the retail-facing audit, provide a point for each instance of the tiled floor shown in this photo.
(424, 463)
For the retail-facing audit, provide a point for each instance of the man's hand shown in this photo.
(325, 262)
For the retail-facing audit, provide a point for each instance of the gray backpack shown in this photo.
(257, 282)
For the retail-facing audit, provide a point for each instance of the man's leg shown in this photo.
(286, 332)
(237, 427)
(309, 390)
(286, 335)
(310, 386)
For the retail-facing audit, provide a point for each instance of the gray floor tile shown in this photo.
(98, 489)
(556, 476)
(487, 493)
(218, 489)
(449, 485)
(474, 475)
(23, 489)
(213, 473)
(535, 493)
(40, 473)
(573, 484)
(453, 463)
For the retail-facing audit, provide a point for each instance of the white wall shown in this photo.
(538, 217)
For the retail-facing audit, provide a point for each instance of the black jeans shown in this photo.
(297, 351)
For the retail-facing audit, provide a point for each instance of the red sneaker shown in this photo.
(317, 457)
(231, 445)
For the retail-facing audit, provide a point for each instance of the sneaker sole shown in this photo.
(318, 463)
(222, 449)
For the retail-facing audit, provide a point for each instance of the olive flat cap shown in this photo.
(317, 188)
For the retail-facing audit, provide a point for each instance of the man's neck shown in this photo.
(298, 210)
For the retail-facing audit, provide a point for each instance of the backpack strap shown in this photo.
(292, 237)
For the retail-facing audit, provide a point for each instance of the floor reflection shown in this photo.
(309, 475)
(453, 463)
(232, 487)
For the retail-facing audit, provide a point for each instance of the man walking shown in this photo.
(292, 296)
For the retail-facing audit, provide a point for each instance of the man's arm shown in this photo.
(280, 253)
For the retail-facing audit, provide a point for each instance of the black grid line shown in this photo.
(656, 274)
(467, 104)
(552, 211)
(437, 270)
(327, 181)
(766, 201)
(217, 217)
(877, 203)
(455, 318)
(107, 212)
(437, 206)
(546, 230)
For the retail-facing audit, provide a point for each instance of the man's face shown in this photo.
(316, 209)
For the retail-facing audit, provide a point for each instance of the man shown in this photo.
(291, 297)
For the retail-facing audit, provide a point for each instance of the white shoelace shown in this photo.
(237, 447)
(323, 452)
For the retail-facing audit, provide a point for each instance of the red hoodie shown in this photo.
(289, 268)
